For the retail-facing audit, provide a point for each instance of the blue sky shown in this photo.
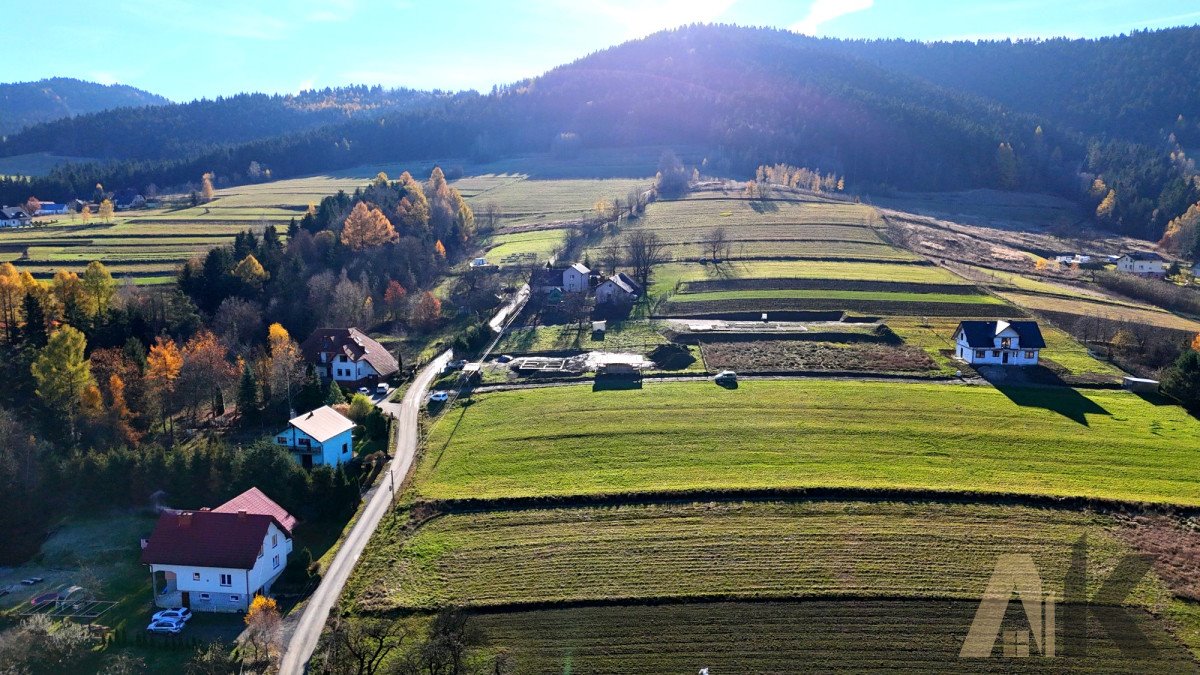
(184, 49)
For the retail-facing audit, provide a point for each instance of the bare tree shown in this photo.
(610, 259)
(644, 250)
(491, 215)
(359, 646)
(716, 243)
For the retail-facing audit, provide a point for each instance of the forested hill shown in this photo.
(26, 103)
(746, 96)
(183, 130)
(1140, 87)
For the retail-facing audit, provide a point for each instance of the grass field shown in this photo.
(520, 249)
(728, 550)
(787, 637)
(620, 336)
(522, 200)
(1104, 310)
(875, 296)
(788, 434)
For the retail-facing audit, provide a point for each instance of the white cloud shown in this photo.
(823, 11)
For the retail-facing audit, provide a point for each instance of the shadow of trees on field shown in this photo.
(1039, 387)
(616, 383)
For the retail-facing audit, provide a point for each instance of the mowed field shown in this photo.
(727, 550)
(696, 437)
(150, 244)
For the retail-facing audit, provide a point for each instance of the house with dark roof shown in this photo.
(322, 436)
(349, 357)
(1143, 264)
(13, 216)
(1006, 343)
(217, 560)
(576, 278)
(619, 289)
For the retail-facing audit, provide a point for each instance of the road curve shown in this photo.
(308, 629)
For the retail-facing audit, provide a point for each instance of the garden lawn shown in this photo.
(695, 436)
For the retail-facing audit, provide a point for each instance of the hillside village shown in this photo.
(615, 402)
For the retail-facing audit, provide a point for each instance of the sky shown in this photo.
(186, 49)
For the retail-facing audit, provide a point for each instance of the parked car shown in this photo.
(503, 358)
(43, 599)
(456, 365)
(439, 397)
(177, 614)
(381, 389)
(165, 626)
(726, 376)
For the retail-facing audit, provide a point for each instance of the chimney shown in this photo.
(185, 519)
(241, 514)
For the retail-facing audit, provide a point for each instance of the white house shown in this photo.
(618, 289)
(348, 356)
(323, 436)
(1142, 263)
(217, 560)
(575, 279)
(1009, 343)
(12, 216)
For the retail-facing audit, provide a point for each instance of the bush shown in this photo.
(1182, 381)
(360, 408)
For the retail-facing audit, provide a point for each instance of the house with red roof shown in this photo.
(217, 560)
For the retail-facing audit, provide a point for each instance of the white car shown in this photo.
(364, 391)
(726, 376)
(381, 389)
(165, 626)
(176, 614)
(439, 397)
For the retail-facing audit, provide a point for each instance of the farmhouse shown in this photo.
(348, 356)
(217, 560)
(573, 279)
(128, 199)
(13, 216)
(618, 289)
(1142, 263)
(322, 436)
(1010, 343)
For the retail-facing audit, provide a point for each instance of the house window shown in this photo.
(282, 440)
(1005, 343)
(979, 353)
(995, 352)
(226, 579)
(1029, 354)
(303, 441)
(345, 448)
(195, 576)
(205, 596)
(274, 540)
(275, 561)
(235, 598)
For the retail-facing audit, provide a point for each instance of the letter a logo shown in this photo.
(1017, 574)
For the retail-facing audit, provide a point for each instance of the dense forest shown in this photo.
(887, 115)
(23, 104)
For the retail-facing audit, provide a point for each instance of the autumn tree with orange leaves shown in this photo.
(366, 228)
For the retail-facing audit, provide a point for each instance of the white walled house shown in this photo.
(618, 289)
(349, 357)
(323, 436)
(1142, 264)
(12, 216)
(1008, 343)
(576, 279)
(217, 560)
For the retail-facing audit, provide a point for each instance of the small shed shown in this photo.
(1140, 385)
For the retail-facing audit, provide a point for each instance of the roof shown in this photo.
(546, 277)
(625, 283)
(581, 268)
(322, 424)
(1144, 256)
(207, 539)
(354, 344)
(982, 334)
(13, 212)
(254, 501)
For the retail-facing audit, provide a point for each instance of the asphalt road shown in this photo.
(308, 629)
